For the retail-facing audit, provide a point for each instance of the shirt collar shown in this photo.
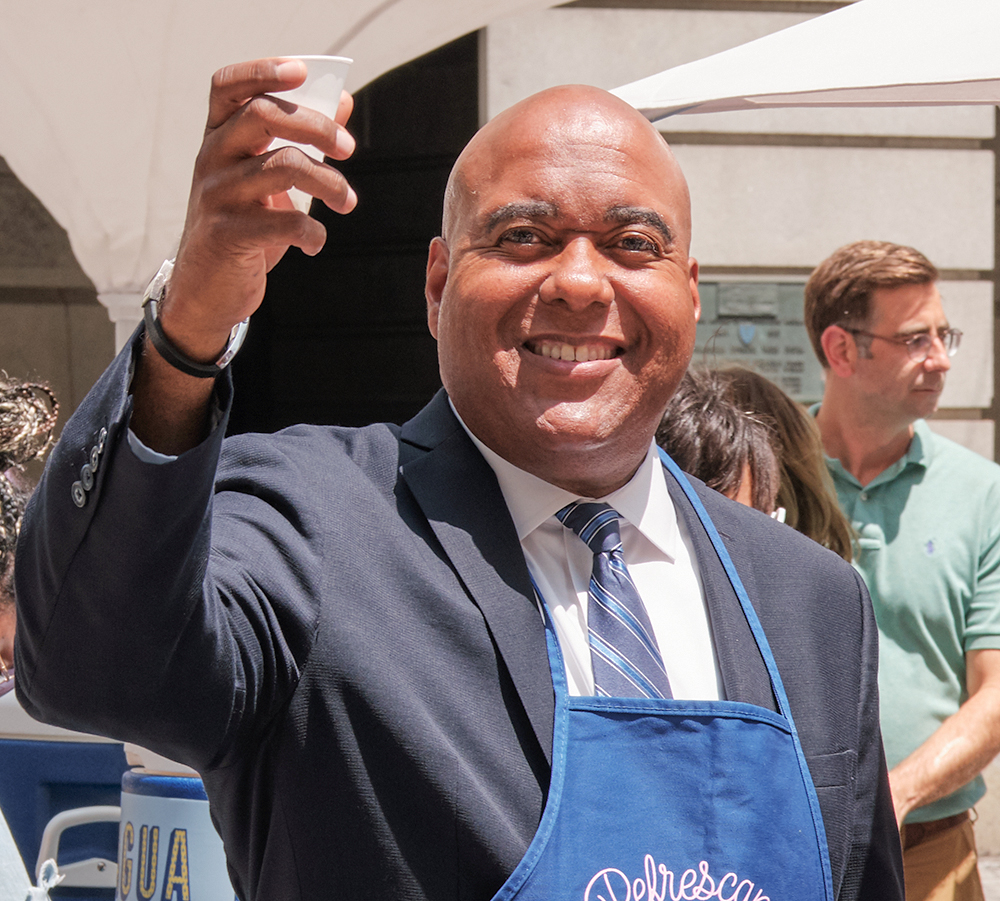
(918, 453)
(644, 500)
(921, 448)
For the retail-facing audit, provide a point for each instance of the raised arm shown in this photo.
(124, 604)
(240, 222)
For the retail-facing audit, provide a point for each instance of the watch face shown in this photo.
(154, 290)
(236, 337)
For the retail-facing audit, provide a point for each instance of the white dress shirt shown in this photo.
(659, 556)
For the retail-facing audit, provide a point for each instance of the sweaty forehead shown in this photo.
(564, 134)
(566, 141)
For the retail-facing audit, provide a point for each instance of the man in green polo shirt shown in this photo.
(927, 516)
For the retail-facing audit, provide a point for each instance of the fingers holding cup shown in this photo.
(240, 218)
(269, 104)
(322, 90)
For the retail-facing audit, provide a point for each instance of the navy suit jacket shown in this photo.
(337, 629)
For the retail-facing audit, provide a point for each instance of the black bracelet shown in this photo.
(150, 304)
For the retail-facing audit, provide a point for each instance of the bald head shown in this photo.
(557, 122)
(562, 294)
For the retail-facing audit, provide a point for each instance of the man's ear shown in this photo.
(693, 281)
(437, 278)
(840, 349)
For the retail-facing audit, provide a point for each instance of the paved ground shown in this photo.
(989, 870)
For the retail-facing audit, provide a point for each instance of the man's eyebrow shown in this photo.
(532, 209)
(926, 330)
(623, 215)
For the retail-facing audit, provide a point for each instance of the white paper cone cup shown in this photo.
(321, 92)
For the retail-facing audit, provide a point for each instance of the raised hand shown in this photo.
(240, 221)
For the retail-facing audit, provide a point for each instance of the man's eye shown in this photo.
(920, 343)
(519, 236)
(638, 243)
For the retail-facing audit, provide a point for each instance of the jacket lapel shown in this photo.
(458, 493)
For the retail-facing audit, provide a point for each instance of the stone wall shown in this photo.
(52, 327)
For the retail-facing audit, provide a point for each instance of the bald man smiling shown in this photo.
(504, 650)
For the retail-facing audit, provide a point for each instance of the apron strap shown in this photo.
(765, 649)
(734, 577)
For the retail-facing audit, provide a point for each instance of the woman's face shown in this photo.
(743, 493)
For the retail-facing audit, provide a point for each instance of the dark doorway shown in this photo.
(341, 338)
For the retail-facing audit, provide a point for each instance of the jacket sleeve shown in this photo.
(874, 866)
(129, 624)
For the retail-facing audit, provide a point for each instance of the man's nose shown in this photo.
(938, 359)
(578, 276)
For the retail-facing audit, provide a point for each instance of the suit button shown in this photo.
(79, 495)
(102, 436)
(86, 477)
(95, 457)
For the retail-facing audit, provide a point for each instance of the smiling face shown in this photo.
(562, 296)
(897, 389)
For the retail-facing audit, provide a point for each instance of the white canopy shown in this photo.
(104, 102)
(871, 53)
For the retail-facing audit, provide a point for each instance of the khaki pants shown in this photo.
(939, 861)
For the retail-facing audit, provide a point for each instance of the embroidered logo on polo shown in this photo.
(661, 884)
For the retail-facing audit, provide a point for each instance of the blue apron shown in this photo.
(654, 800)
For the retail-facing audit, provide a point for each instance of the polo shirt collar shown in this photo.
(918, 453)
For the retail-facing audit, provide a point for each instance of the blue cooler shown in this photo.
(60, 793)
(45, 773)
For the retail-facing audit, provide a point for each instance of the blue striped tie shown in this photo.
(623, 649)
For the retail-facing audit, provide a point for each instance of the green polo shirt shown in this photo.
(929, 552)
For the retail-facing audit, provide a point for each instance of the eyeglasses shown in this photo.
(919, 346)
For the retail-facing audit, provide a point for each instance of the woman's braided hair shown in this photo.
(28, 413)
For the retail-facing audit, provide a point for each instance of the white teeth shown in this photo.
(567, 352)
